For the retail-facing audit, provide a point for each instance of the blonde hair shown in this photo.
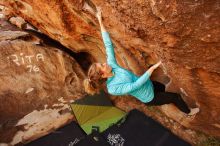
(94, 82)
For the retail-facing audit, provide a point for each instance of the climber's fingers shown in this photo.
(99, 9)
(99, 12)
(158, 64)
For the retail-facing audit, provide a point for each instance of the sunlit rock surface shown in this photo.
(37, 83)
(183, 34)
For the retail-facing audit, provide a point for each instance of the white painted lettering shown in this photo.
(29, 58)
(29, 67)
(15, 60)
(22, 59)
(40, 56)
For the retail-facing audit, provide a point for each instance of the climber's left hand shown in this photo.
(99, 13)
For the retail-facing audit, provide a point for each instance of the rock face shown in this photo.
(37, 82)
(183, 34)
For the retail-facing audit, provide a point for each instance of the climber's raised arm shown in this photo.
(152, 68)
(99, 17)
(107, 41)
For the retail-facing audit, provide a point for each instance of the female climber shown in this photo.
(123, 82)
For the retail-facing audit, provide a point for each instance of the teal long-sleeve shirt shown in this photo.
(124, 82)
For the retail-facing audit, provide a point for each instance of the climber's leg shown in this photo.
(161, 98)
(158, 87)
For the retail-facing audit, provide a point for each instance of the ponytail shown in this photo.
(89, 87)
(94, 82)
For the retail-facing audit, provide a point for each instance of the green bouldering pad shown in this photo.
(96, 112)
